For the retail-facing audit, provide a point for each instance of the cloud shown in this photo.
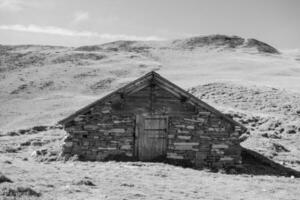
(11, 5)
(53, 30)
(18, 5)
(80, 16)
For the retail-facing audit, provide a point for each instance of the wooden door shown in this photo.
(151, 137)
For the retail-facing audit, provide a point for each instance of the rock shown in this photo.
(265, 135)
(117, 130)
(23, 131)
(279, 148)
(174, 156)
(7, 162)
(190, 127)
(27, 143)
(291, 131)
(184, 137)
(44, 151)
(19, 192)
(9, 149)
(68, 138)
(39, 152)
(281, 130)
(125, 147)
(182, 131)
(35, 153)
(4, 179)
(36, 143)
(275, 136)
(39, 128)
(73, 158)
(244, 121)
(261, 46)
(44, 155)
(12, 133)
(91, 127)
(127, 185)
(79, 118)
(52, 158)
(85, 181)
(226, 158)
(68, 144)
(243, 137)
(219, 146)
(271, 135)
(270, 125)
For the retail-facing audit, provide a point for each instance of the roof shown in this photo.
(144, 81)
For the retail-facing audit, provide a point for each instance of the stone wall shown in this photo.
(195, 135)
(100, 135)
(203, 140)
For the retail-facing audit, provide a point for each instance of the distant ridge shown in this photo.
(218, 41)
(225, 41)
(212, 41)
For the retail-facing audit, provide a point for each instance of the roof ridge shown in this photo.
(163, 80)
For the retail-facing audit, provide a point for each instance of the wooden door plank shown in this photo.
(152, 137)
(138, 129)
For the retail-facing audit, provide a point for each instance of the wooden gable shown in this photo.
(163, 87)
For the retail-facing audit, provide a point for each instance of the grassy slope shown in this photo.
(36, 80)
(271, 115)
(134, 180)
(40, 85)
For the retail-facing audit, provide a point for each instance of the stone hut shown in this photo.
(152, 119)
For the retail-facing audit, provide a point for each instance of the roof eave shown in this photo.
(152, 75)
(120, 90)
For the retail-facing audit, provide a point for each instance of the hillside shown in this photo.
(42, 84)
(247, 79)
(271, 115)
(62, 79)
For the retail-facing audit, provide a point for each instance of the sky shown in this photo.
(87, 22)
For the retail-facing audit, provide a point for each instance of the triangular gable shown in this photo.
(139, 83)
(146, 80)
